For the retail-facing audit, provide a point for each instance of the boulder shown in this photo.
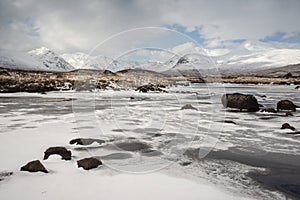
(270, 110)
(62, 151)
(240, 101)
(34, 166)
(297, 87)
(86, 141)
(89, 163)
(188, 106)
(286, 105)
(287, 126)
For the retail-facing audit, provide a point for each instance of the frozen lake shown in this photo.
(149, 139)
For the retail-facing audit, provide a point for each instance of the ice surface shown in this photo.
(30, 123)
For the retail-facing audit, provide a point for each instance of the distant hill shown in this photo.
(294, 70)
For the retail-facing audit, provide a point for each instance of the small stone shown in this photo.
(188, 106)
(229, 122)
(287, 126)
(86, 141)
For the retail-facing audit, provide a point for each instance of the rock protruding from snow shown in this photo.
(89, 163)
(188, 106)
(34, 166)
(86, 141)
(62, 151)
(287, 126)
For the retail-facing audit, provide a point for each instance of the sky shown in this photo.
(73, 26)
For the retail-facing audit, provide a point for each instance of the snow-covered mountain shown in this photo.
(41, 59)
(248, 56)
(84, 61)
(50, 59)
(251, 56)
(19, 60)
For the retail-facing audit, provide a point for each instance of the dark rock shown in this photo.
(286, 105)
(157, 135)
(287, 126)
(271, 110)
(62, 151)
(150, 87)
(240, 101)
(288, 114)
(34, 166)
(186, 163)
(297, 87)
(229, 122)
(86, 141)
(89, 163)
(288, 75)
(188, 106)
(182, 60)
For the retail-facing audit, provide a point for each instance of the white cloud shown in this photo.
(80, 25)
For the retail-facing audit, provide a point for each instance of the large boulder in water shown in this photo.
(240, 101)
(34, 166)
(286, 105)
(62, 151)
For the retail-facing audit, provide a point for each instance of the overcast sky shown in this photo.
(70, 26)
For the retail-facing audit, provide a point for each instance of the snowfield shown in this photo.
(30, 123)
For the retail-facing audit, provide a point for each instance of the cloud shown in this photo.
(80, 25)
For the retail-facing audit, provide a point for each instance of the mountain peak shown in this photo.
(40, 51)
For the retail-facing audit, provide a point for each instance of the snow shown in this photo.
(250, 55)
(18, 60)
(20, 145)
(27, 130)
(51, 60)
(71, 183)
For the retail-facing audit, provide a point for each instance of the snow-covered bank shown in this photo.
(71, 183)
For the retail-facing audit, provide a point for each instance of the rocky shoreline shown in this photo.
(12, 81)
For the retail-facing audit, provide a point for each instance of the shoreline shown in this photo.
(12, 81)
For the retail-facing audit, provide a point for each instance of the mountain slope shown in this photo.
(19, 60)
(252, 56)
(41, 59)
(50, 59)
